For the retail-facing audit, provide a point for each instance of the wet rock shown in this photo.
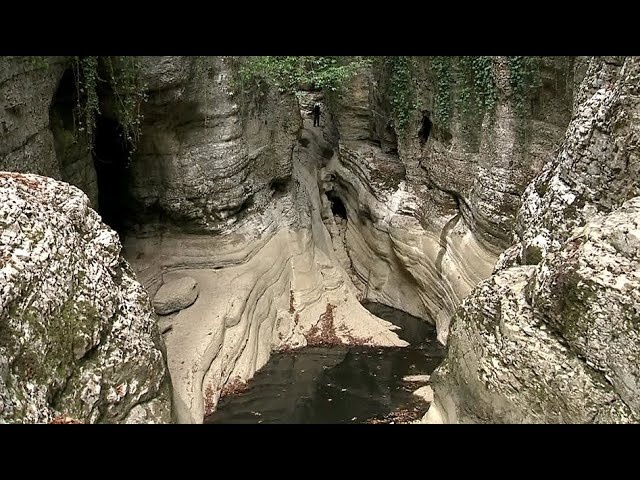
(176, 295)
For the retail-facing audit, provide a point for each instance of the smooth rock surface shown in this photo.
(175, 295)
(416, 378)
(426, 220)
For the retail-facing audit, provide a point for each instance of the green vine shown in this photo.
(118, 77)
(442, 69)
(524, 77)
(87, 104)
(402, 89)
(475, 93)
(38, 62)
(288, 74)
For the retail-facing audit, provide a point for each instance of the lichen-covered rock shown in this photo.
(597, 168)
(553, 335)
(77, 337)
(176, 295)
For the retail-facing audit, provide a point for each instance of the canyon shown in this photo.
(237, 230)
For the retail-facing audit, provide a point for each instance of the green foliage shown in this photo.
(524, 77)
(442, 69)
(87, 105)
(129, 93)
(120, 78)
(289, 73)
(402, 89)
(37, 62)
(475, 93)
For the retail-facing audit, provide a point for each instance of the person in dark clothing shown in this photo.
(316, 115)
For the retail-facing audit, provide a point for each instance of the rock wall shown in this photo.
(428, 219)
(208, 153)
(27, 85)
(77, 336)
(553, 335)
(36, 122)
(286, 226)
(237, 175)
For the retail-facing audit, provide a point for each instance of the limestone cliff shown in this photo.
(428, 217)
(553, 335)
(77, 336)
(27, 91)
(233, 179)
(286, 227)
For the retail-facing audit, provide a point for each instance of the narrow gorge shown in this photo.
(180, 242)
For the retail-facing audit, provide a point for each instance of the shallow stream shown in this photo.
(339, 384)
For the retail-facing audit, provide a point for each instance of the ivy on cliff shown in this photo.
(524, 77)
(290, 73)
(467, 84)
(402, 89)
(120, 77)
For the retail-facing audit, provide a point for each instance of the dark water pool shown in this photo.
(338, 384)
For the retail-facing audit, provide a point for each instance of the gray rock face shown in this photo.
(209, 151)
(36, 122)
(77, 338)
(176, 295)
(26, 89)
(596, 170)
(437, 212)
(557, 340)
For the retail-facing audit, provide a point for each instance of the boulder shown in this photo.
(176, 295)
(77, 337)
(426, 393)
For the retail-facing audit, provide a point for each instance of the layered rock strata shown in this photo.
(553, 335)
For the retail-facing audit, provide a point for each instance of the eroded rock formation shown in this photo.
(77, 336)
(553, 335)
(240, 165)
(286, 227)
(429, 217)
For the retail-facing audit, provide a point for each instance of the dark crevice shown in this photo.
(450, 225)
(247, 204)
(327, 153)
(303, 141)
(110, 158)
(337, 206)
(425, 129)
(280, 186)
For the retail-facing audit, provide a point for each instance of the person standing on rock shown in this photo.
(316, 115)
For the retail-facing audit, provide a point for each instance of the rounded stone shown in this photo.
(176, 295)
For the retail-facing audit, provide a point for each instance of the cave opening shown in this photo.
(279, 186)
(63, 102)
(337, 206)
(111, 155)
(425, 129)
(102, 172)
